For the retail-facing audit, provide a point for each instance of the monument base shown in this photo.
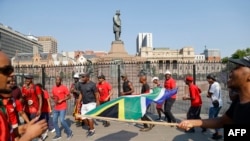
(117, 48)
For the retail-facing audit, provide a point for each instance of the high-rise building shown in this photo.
(49, 44)
(12, 42)
(144, 40)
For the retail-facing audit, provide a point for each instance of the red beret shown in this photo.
(189, 78)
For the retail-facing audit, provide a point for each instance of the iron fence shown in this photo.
(113, 70)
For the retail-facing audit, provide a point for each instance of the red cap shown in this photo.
(189, 78)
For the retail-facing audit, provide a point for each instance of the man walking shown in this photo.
(60, 96)
(74, 90)
(145, 89)
(169, 84)
(89, 98)
(105, 91)
(127, 86)
(214, 93)
(196, 102)
(32, 97)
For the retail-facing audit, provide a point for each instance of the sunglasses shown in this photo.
(7, 70)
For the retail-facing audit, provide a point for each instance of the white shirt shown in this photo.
(215, 89)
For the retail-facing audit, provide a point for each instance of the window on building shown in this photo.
(175, 64)
(147, 64)
(160, 64)
(167, 64)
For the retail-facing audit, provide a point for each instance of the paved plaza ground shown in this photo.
(122, 131)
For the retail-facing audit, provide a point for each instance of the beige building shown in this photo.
(39, 59)
(165, 54)
(49, 44)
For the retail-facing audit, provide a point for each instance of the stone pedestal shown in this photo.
(118, 52)
(117, 49)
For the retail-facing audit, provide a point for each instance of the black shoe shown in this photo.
(204, 130)
(151, 126)
(56, 138)
(190, 130)
(145, 129)
(217, 137)
(107, 124)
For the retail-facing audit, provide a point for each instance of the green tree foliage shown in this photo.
(224, 60)
(237, 54)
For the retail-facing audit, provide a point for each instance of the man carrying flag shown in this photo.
(145, 90)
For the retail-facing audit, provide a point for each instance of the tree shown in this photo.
(241, 53)
(238, 54)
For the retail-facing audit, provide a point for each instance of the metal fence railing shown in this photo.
(46, 75)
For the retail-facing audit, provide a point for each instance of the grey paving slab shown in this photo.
(122, 131)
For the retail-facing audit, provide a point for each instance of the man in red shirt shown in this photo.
(60, 96)
(32, 97)
(196, 102)
(29, 131)
(169, 84)
(46, 109)
(13, 109)
(105, 91)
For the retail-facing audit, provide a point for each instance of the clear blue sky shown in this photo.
(87, 24)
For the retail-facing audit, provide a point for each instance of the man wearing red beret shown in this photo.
(196, 102)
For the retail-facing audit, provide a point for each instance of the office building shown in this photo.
(12, 41)
(144, 40)
(49, 44)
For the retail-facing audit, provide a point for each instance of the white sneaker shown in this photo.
(53, 130)
(44, 135)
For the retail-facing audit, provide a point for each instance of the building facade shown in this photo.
(165, 54)
(12, 41)
(49, 44)
(212, 54)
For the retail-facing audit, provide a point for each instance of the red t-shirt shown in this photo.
(12, 108)
(31, 102)
(170, 84)
(45, 107)
(195, 95)
(5, 131)
(103, 89)
(60, 93)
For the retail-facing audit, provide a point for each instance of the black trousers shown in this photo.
(167, 109)
(194, 112)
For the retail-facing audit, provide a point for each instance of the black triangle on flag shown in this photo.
(111, 112)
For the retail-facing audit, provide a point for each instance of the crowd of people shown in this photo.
(31, 102)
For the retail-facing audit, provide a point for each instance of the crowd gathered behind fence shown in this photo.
(113, 70)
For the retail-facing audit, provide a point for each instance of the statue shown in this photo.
(117, 25)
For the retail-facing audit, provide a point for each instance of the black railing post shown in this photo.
(194, 73)
(119, 79)
(43, 76)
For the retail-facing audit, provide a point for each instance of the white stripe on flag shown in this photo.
(161, 94)
(143, 106)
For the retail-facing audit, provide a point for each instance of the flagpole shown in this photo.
(125, 120)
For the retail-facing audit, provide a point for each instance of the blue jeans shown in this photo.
(213, 113)
(46, 116)
(60, 114)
